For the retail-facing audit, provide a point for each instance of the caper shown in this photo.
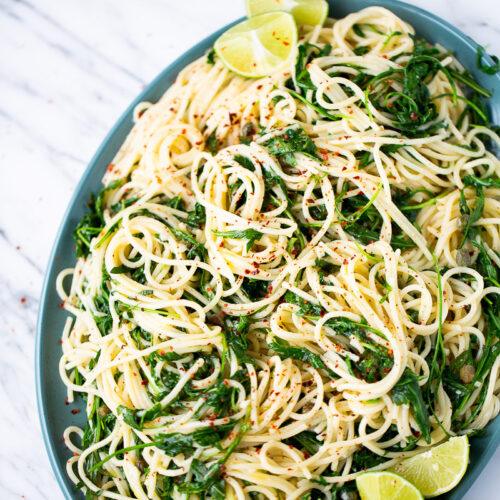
(103, 410)
(463, 220)
(248, 130)
(216, 320)
(348, 495)
(284, 162)
(463, 257)
(141, 464)
(467, 373)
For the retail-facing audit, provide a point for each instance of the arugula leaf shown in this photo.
(217, 490)
(137, 418)
(407, 391)
(486, 68)
(466, 79)
(412, 110)
(364, 459)
(197, 217)
(140, 335)
(374, 363)
(357, 29)
(306, 53)
(175, 443)
(306, 440)
(254, 288)
(285, 351)
(306, 308)
(97, 427)
(212, 143)
(221, 396)
(471, 216)
(293, 140)
(244, 161)
(272, 180)
(89, 226)
(235, 331)
(213, 473)
(197, 249)
(250, 234)
(176, 202)
(361, 50)
(211, 57)
(104, 320)
(92, 222)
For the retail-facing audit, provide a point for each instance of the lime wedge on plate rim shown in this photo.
(310, 12)
(439, 469)
(258, 46)
(385, 485)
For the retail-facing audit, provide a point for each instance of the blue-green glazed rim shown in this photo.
(55, 414)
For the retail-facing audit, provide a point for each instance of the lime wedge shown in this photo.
(439, 469)
(386, 486)
(258, 46)
(310, 12)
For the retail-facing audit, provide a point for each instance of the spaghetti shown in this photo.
(289, 280)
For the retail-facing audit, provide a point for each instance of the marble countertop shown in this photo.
(68, 69)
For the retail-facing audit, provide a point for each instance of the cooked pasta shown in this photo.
(288, 280)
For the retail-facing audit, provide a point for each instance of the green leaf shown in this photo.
(306, 440)
(197, 217)
(305, 308)
(250, 234)
(285, 351)
(176, 202)
(476, 213)
(293, 140)
(407, 391)
(211, 57)
(212, 143)
(212, 474)
(235, 331)
(137, 418)
(197, 249)
(486, 68)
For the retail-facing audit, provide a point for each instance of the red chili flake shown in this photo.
(413, 116)
(23, 300)
(75, 411)
(145, 382)
(61, 305)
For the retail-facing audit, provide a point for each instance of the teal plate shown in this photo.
(55, 415)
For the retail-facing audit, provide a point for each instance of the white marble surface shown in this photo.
(68, 68)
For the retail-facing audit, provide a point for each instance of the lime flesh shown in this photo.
(386, 486)
(310, 12)
(439, 469)
(258, 46)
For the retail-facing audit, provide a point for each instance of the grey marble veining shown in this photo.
(68, 69)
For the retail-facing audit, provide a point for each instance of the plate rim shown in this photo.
(44, 307)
